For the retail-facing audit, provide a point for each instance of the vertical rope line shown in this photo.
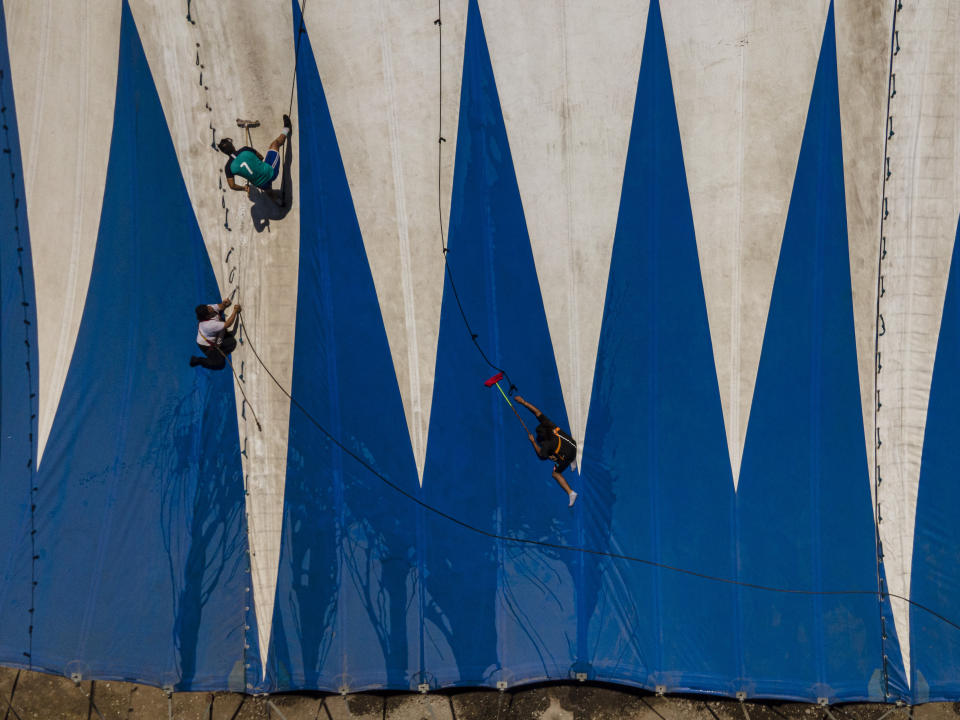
(440, 139)
(31, 391)
(878, 323)
(296, 56)
(443, 242)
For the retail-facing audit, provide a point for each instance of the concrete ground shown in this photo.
(28, 695)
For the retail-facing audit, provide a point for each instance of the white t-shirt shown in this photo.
(210, 332)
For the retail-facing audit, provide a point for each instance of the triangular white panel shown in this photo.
(208, 77)
(63, 58)
(923, 201)
(380, 66)
(863, 60)
(742, 77)
(566, 74)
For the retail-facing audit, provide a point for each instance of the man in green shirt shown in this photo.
(259, 171)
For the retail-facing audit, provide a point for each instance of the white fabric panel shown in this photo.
(63, 58)
(742, 75)
(863, 61)
(379, 64)
(923, 195)
(566, 74)
(246, 57)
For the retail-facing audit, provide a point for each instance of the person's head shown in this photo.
(205, 312)
(226, 146)
(543, 433)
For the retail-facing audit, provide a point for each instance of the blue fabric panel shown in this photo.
(346, 579)
(805, 515)
(935, 580)
(18, 387)
(493, 610)
(656, 466)
(140, 510)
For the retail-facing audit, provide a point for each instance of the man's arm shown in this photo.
(228, 323)
(542, 453)
(527, 405)
(234, 186)
(534, 443)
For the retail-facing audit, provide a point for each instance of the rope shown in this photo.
(512, 407)
(296, 57)
(443, 242)
(32, 394)
(92, 705)
(881, 254)
(11, 708)
(475, 339)
(570, 548)
(229, 362)
(9, 702)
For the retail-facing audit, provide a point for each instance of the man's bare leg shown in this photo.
(276, 195)
(571, 494)
(282, 138)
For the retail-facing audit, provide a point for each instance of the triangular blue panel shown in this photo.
(805, 515)
(140, 509)
(482, 598)
(656, 466)
(346, 580)
(935, 578)
(18, 386)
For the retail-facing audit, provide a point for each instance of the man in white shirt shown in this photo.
(214, 336)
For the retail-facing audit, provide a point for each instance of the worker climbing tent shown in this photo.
(141, 539)
(804, 511)
(346, 584)
(934, 645)
(655, 460)
(480, 467)
(18, 385)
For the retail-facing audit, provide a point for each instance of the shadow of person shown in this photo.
(269, 204)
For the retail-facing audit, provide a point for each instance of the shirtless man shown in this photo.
(552, 443)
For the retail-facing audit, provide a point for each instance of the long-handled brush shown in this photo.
(495, 380)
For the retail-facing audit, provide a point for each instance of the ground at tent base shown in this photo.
(28, 695)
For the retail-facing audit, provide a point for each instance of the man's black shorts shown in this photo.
(561, 466)
(568, 449)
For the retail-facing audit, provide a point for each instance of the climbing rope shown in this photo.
(879, 592)
(879, 330)
(474, 337)
(229, 361)
(296, 57)
(25, 305)
(568, 548)
(200, 66)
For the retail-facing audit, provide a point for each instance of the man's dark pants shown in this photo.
(215, 357)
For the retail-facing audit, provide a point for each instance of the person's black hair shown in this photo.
(226, 146)
(205, 312)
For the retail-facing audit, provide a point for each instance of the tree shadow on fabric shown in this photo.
(202, 507)
(274, 204)
(377, 561)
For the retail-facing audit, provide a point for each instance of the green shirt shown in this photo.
(247, 165)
